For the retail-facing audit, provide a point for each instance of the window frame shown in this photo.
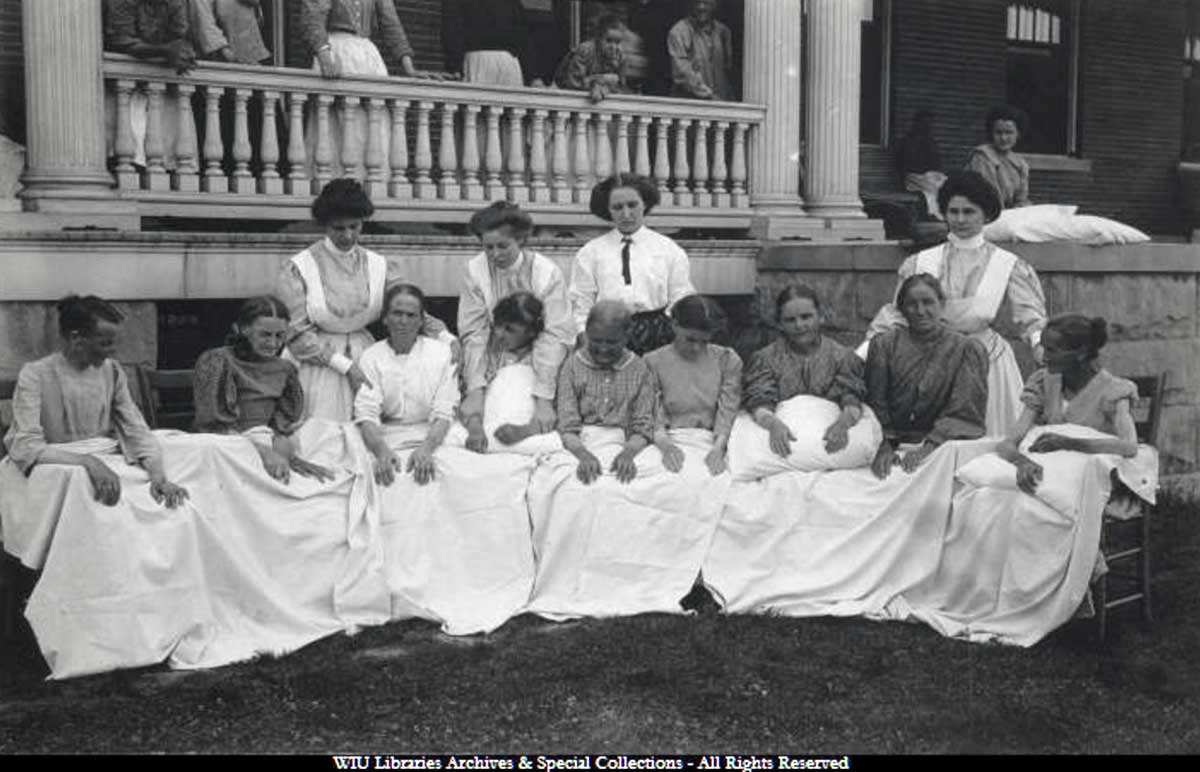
(1073, 25)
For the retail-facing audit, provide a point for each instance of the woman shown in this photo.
(632, 264)
(926, 383)
(503, 268)
(333, 290)
(1006, 171)
(596, 66)
(1072, 388)
(699, 383)
(456, 533)
(245, 387)
(803, 361)
(982, 283)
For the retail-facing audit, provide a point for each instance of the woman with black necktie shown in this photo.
(633, 264)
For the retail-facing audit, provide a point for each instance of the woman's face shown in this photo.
(344, 231)
(501, 247)
(690, 344)
(800, 321)
(513, 336)
(964, 217)
(98, 345)
(1058, 357)
(610, 44)
(626, 209)
(266, 336)
(403, 318)
(1005, 135)
(922, 308)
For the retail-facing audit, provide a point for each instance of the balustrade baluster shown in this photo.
(603, 155)
(737, 171)
(243, 181)
(376, 184)
(448, 187)
(156, 173)
(641, 156)
(269, 181)
(123, 145)
(518, 190)
(472, 182)
(720, 173)
(662, 160)
(185, 178)
(682, 193)
(297, 155)
(538, 192)
(583, 182)
(351, 160)
(214, 180)
(399, 185)
(623, 143)
(423, 184)
(700, 182)
(323, 152)
(558, 181)
(493, 187)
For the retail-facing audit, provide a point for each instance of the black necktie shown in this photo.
(626, 241)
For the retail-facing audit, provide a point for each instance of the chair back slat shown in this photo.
(168, 396)
(1147, 411)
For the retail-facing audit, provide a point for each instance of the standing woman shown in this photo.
(996, 161)
(982, 284)
(631, 264)
(503, 268)
(333, 290)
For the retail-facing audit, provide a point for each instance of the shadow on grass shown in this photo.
(661, 683)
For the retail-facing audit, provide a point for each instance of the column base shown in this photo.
(774, 226)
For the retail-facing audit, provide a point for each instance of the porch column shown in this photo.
(65, 173)
(831, 119)
(772, 78)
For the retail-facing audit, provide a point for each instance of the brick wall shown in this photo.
(12, 72)
(950, 56)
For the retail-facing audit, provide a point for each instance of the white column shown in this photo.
(772, 70)
(65, 170)
(831, 120)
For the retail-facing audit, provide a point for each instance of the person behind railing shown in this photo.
(651, 21)
(486, 41)
(701, 50)
(73, 407)
(228, 30)
(926, 383)
(996, 160)
(245, 387)
(920, 162)
(632, 264)
(333, 290)
(596, 66)
(504, 267)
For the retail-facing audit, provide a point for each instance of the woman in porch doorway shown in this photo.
(983, 284)
(333, 290)
(641, 268)
(1007, 171)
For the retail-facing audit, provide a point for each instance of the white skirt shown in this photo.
(492, 68)
(1004, 384)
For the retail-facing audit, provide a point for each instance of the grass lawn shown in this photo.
(662, 684)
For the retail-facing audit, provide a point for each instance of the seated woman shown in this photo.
(455, 532)
(518, 322)
(926, 383)
(597, 66)
(803, 361)
(699, 383)
(996, 161)
(245, 387)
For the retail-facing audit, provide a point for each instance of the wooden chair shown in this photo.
(167, 397)
(1125, 542)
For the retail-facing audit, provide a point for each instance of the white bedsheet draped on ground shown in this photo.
(839, 543)
(248, 566)
(1013, 568)
(457, 550)
(609, 548)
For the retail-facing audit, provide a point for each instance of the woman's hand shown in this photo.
(106, 486)
(597, 92)
(387, 465)
(837, 436)
(715, 460)
(781, 438)
(456, 352)
(328, 64)
(1029, 475)
(165, 491)
(885, 457)
(672, 456)
(1048, 443)
(275, 463)
(309, 469)
(477, 440)
(180, 56)
(358, 379)
(589, 467)
(511, 434)
(624, 467)
(420, 463)
(544, 417)
(913, 458)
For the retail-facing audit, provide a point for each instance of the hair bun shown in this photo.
(1099, 332)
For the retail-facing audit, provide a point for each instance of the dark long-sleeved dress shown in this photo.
(235, 392)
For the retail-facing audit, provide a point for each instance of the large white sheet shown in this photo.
(247, 566)
(611, 548)
(457, 550)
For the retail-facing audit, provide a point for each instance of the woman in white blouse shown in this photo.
(631, 264)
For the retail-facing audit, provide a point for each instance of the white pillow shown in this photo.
(751, 457)
(509, 400)
(1090, 229)
(1029, 223)
(1063, 471)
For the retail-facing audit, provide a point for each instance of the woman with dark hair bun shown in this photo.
(699, 382)
(980, 282)
(631, 264)
(995, 160)
(333, 290)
